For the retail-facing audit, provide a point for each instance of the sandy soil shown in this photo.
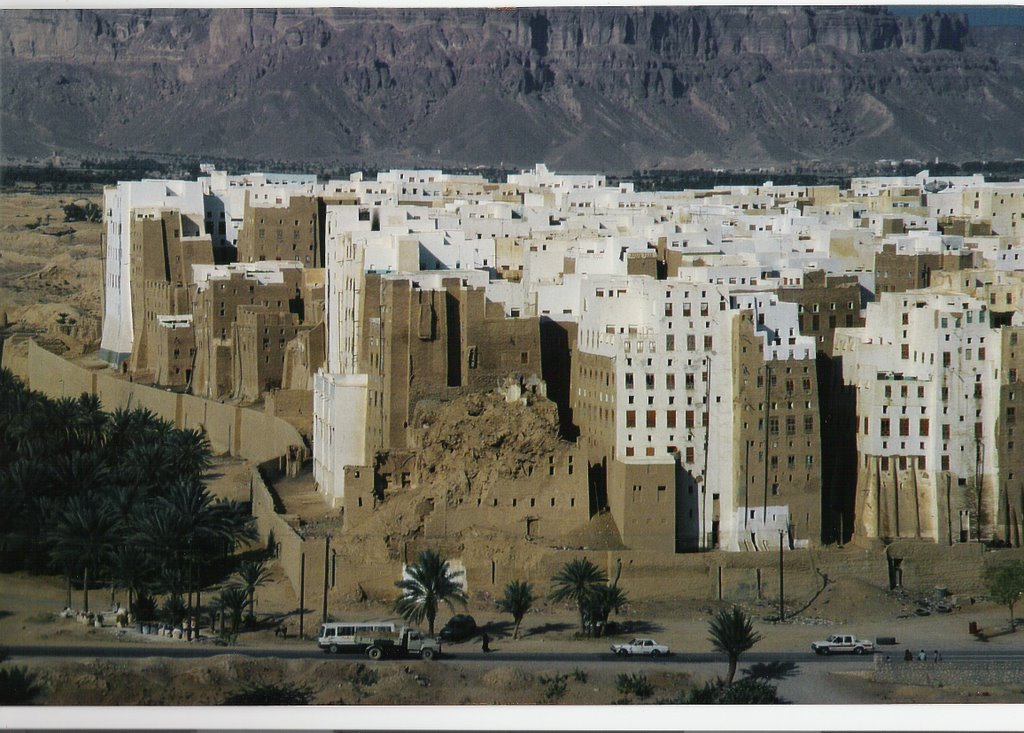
(51, 273)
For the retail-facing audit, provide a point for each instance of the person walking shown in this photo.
(936, 656)
(907, 656)
(485, 641)
(922, 656)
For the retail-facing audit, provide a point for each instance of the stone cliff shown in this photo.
(610, 88)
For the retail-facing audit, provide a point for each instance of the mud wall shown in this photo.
(239, 431)
(288, 546)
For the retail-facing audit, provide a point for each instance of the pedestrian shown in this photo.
(922, 656)
(485, 641)
(907, 656)
(936, 656)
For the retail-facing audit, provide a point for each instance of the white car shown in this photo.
(640, 646)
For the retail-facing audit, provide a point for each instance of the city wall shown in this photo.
(288, 545)
(238, 431)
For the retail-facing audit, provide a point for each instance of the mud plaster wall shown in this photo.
(238, 431)
(289, 547)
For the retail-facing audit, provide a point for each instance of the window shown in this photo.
(670, 418)
(773, 426)
(689, 455)
(809, 461)
(670, 381)
(670, 342)
(946, 359)
(630, 418)
(708, 343)
(923, 427)
(808, 423)
(884, 427)
(904, 426)
(945, 463)
(791, 425)
(945, 431)
(652, 418)
(689, 418)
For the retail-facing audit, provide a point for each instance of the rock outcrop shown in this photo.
(609, 88)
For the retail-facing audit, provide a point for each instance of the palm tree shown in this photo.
(232, 601)
(603, 602)
(252, 574)
(79, 472)
(83, 535)
(90, 422)
(191, 452)
(732, 633)
(517, 601)
(131, 569)
(576, 582)
(430, 582)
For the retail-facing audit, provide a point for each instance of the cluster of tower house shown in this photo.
(729, 365)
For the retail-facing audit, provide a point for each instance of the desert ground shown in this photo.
(51, 274)
(50, 286)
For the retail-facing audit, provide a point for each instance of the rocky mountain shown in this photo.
(578, 88)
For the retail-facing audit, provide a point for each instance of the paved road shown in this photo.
(198, 651)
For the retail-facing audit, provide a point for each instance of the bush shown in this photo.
(364, 676)
(635, 684)
(89, 212)
(174, 611)
(579, 675)
(144, 608)
(555, 687)
(747, 691)
(18, 686)
(271, 694)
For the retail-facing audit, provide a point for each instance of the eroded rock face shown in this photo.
(578, 87)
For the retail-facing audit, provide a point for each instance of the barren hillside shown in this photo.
(593, 88)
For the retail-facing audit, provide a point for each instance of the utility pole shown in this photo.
(302, 593)
(327, 564)
(782, 606)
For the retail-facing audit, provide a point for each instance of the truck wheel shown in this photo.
(427, 654)
(824, 651)
(819, 651)
(655, 653)
(374, 653)
(333, 649)
(858, 650)
(622, 653)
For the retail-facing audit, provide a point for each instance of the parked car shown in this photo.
(842, 643)
(459, 628)
(640, 646)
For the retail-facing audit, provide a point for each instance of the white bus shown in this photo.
(340, 636)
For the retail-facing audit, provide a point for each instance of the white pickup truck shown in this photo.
(842, 643)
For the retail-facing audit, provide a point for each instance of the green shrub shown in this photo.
(635, 684)
(271, 694)
(555, 687)
(579, 675)
(18, 686)
(747, 691)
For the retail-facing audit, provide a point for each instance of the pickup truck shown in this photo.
(842, 643)
(406, 643)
